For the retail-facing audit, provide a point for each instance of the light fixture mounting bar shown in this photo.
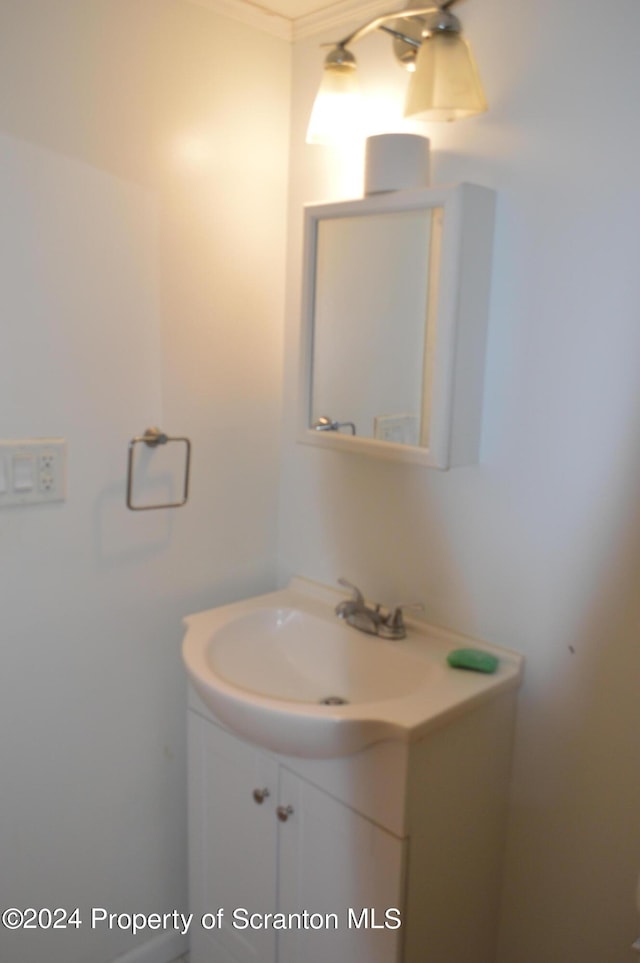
(398, 35)
(378, 22)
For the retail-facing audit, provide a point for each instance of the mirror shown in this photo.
(381, 306)
(370, 366)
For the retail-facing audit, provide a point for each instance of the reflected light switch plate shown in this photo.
(401, 429)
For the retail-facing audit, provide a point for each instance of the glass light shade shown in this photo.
(445, 84)
(336, 113)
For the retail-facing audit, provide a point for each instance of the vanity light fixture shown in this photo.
(428, 41)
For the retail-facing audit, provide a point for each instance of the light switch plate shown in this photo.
(33, 470)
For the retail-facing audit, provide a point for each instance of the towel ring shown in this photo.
(152, 438)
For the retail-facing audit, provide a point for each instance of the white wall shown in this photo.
(538, 547)
(142, 182)
(141, 282)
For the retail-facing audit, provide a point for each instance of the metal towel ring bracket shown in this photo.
(152, 438)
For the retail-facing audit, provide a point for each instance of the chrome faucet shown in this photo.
(373, 620)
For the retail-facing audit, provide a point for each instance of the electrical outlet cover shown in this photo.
(34, 470)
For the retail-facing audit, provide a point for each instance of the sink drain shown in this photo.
(334, 701)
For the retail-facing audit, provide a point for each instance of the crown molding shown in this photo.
(251, 14)
(336, 15)
(341, 13)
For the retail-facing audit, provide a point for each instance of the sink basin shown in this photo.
(287, 653)
(284, 672)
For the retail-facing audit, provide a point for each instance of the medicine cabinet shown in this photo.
(394, 318)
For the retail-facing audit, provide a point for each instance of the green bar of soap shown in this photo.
(474, 659)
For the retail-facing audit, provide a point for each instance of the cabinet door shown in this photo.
(232, 845)
(337, 864)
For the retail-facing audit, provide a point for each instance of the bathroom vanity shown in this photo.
(383, 841)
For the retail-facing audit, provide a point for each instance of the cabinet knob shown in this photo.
(283, 813)
(260, 795)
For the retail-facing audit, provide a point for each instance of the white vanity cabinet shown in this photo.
(264, 840)
(404, 839)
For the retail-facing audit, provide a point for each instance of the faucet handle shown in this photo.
(393, 626)
(357, 594)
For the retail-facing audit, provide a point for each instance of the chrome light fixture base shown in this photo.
(428, 41)
(411, 31)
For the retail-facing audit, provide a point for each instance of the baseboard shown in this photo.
(164, 948)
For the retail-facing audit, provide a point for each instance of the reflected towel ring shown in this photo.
(325, 423)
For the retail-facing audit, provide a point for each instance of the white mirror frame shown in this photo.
(456, 322)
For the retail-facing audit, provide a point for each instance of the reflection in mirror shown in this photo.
(327, 423)
(371, 354)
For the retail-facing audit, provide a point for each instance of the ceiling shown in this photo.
(294, 19)
(295, 8)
